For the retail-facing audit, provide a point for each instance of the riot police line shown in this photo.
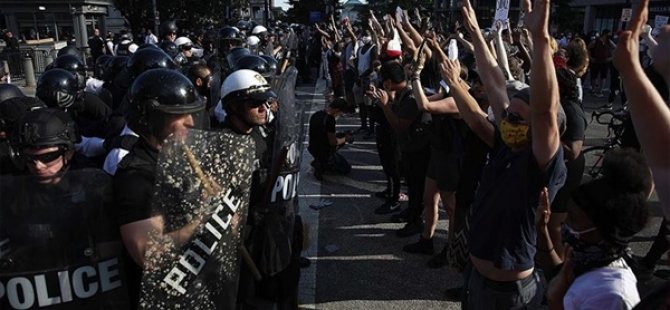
(198, 207)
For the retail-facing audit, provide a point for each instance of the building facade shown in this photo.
(606, 14)
(58, 19)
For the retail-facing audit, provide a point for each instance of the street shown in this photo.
(357, 261)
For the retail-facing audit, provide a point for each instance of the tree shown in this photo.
(565, 17)
(189, 14)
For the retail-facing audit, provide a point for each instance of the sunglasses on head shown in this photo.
(512, 117)
(46, 157)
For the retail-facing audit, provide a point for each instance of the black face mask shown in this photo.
(587, 256)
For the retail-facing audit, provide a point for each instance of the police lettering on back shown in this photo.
(61, 286)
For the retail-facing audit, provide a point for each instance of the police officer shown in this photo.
(54, 219)
(185, 57)
(229, 39)
(61, 89)
(11, 110)
(161, 103)
(168, 30)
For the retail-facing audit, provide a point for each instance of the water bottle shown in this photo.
(452, 50)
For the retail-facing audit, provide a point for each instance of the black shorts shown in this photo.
(445, 168)
(599, 70)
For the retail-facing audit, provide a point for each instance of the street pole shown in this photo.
(37, 31)
(156, 18)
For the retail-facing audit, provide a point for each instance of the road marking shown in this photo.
(335, 195)
(307, 284)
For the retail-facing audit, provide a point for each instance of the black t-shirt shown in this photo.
(505, 205)
(576, 123)
(320, 124)
(134, 182)
(417, 136)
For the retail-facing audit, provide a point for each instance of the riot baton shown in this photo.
(212, 188)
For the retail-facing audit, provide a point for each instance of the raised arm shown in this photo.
(489, 71)
(544, 96)
(501, 51)
(468, 108)
(442, 106)
(650, 114)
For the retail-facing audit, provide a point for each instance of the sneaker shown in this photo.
(438, 260)
(410, 229)
(388, 207)
(401, 217)
(423, 246)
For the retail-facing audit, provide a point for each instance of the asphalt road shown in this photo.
(357, 261)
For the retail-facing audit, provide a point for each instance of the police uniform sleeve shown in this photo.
(132, 195)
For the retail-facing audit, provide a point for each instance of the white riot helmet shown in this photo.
(183, 41)
(258, 30)
(252, 41)
(243, 85)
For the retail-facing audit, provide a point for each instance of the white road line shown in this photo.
(307, 284)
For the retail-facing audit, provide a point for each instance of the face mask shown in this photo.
(366, 40)
(587, 256)
(515, 136)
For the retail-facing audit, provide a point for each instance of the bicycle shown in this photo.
(614, 120)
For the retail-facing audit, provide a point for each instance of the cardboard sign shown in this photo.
(626, 14)
(502, 11)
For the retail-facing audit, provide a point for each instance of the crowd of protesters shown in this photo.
(490, 124)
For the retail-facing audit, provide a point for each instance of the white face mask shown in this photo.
(366, 40)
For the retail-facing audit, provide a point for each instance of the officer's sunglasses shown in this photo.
(258, 103)
(46, 157)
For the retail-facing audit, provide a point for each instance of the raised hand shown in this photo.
(537, 17)
(418, 63)
(450, 70)
(543, 213)
(469, 17)
(626, 54)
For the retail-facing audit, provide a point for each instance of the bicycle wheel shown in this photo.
(594, 156)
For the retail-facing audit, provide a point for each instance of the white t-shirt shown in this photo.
(115, 156)
(611, 287)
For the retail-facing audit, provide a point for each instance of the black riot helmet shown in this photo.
(273, 65)
(167, 27)
(169, 48)
(149, 58)
(101, 64)
(243, 25)
(9, 91)
(253, 62)
(157, 92)
(114, 67)
(45, 128)
(229, 37)
(147, 45)
(11, 110)
(69, 50)
(58, 88)
(236, 54)
(74, 65)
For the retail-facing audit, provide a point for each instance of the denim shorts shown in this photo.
(483, 293)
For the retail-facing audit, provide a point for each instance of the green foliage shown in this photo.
(565, 17)
(191, 14)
